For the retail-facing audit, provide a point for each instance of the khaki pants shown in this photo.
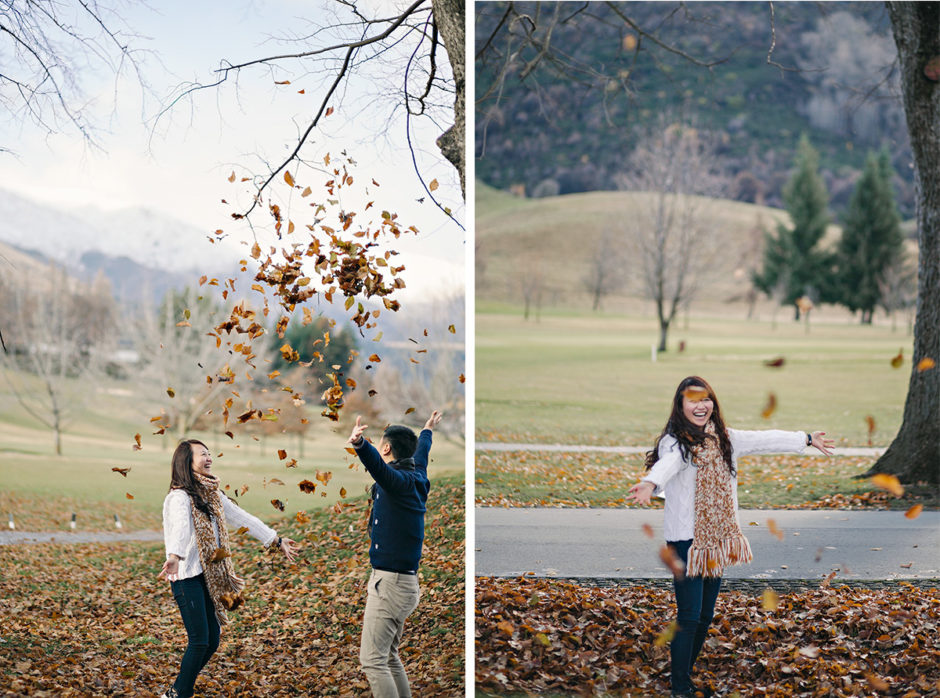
(391, 599)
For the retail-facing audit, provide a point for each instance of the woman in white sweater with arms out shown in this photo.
(694, 466)
(198, 558)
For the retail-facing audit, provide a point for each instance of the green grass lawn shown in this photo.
(42, 490)
(581, 378)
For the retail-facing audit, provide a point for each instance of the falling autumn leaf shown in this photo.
(375, 358)
(241, 530)
(914, 511)
(307, 487)
(774, 530)
(125, 471)
(695, 393)
(775, 363)
(898, 360)
(274, 481)
(672, 561)
(432, 185)
(219, 555)
(324, 477)
(288, 178)
(870, 421)
(648, 530)
(889, 483)
(770, 600)
(277, 504)
(409, 410)
(128, 495)
(342, 492)
(462, 378)
(281, 454)
(171, 392)
(770, 407)
(666, 636)
(925, 364)
(137, 445)
(301, 517)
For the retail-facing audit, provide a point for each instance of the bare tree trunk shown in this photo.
(450, 17)
(914, 455)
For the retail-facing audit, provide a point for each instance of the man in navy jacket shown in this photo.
(399, 466)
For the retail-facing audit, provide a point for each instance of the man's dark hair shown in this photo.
(402, 439)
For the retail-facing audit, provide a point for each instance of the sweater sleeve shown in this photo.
(177, 523)
(767, 441)
(423, 451)
(668, 463)
(387, 477)
(236, 517)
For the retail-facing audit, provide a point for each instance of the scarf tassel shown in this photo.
(711, 561)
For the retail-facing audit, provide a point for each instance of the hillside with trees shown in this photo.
(568, 121)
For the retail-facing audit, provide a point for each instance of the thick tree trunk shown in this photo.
(914, 455)
(450, 18)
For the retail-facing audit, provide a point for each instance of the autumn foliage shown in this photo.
(94, 619)
(536, 636)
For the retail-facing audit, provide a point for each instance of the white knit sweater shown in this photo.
(179, 534)
(674, 477)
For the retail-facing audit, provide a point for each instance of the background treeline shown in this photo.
(571, 126)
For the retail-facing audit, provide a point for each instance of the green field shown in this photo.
(581, 378)
(42, 490)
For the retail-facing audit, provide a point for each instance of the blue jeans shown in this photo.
(202, 629)
(695, 603)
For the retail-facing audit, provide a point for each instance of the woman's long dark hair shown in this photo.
(688, 434)
(182, 478)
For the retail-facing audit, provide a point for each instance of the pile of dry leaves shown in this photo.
(547, 636)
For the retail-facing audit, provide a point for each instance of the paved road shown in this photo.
(579, 448)
(610, 543)
(27, 537)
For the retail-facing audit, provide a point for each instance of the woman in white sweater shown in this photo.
(694, 466)
(198, 558)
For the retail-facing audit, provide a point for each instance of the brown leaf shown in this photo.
(128, 495)
(770, 600)
(125, 471)
(409, 410)
(888, 482)
(770, 407)
(171, 392)
(911, 513)
(433, 185)
(241, 530)
(665, 637)
(774, 530)
(898, 360)
(219, 555)
(695, 393)
(342, 492)
(925, 364)
(281, 453)
(288, 178)
(307, 487)
(506, 627)
(278, 504)
(877, 683)
(672, 561)
(775, 363)
(648, 530)
(137, 445)
(324, 476)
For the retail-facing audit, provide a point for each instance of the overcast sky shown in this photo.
(182, 165)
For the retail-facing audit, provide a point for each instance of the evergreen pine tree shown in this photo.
(871, 238)
(792, 261)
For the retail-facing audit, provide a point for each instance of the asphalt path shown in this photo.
(31, 537)
(629, 450)
(611, 543)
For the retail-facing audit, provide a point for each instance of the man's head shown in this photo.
(397, 442)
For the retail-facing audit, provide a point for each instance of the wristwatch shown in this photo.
(809, 438)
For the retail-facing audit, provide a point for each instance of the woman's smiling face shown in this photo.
(698, 409)
(202, 460)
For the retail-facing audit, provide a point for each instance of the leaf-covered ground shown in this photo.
(538, 636)
(95, 620)
(527, 479)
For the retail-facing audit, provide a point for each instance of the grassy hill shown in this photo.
(557, 236)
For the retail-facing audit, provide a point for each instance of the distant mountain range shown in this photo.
(141, 252)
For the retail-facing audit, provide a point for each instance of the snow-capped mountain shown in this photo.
(142, 252)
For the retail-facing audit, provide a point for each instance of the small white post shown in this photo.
(653, 353)
(117, 521)
(12, 524)
(72, 524)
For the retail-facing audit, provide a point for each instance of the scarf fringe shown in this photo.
(711, 561)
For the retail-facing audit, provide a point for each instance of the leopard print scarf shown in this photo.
(717, 538)
(225, 588)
